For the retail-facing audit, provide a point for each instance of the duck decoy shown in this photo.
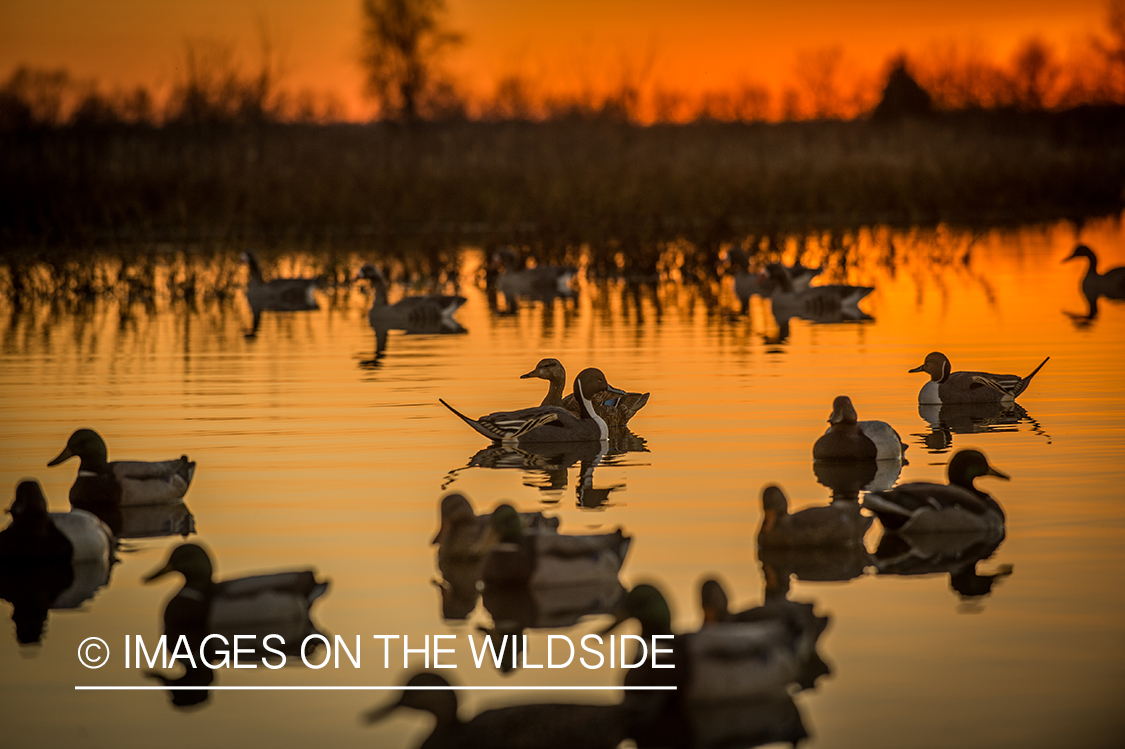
(850, 439)
(536, 726)
(838, 524)
(946, 386)
(922, 507)
(38, 536)
(548, 559)
(817, 302)
(270, 604)
(421, 314)
(122, 482)
(614, 408)
(747, 282)
(1110, 284)
(279, 294)
(513, 280)
(549, 423)
(460, 534)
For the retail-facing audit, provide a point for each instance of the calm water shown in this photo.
(313, 451)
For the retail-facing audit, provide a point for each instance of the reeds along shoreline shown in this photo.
(554, 183)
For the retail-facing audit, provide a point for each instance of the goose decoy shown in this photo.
(536, 726)
(543, 281)
(460, 533)
(747, 283)
(38, 536)
(549, 423)
(548, 559)
(816, 302)
(122, 482)
(614, 408)
(946, 386)
(271, 604)
(922, 507)
(838, 524)
(1110, 284)
(850, 439)
(280, 294)
(412, 313)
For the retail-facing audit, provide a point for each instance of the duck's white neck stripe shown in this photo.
(86, 474)
(603, 429)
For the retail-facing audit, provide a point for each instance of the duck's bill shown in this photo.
(158, 574)
(998, 474)
(529, 375)
(919, 368)
(64, 455)
(616, 391)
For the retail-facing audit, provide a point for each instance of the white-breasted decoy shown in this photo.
(946, 386)
(850, 439)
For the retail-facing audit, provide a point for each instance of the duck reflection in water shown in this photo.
(953, 554)
(972, 418)
(847, 480)
(50, 560)
(277, 295)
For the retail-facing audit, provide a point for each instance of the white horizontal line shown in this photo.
(111, 688)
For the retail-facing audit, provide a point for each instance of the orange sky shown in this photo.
(561, 44)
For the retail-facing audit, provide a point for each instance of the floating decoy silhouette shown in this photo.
(955, 554)
(747, 283)
(548, 423)
(280, 294)
(537, 726)
(850, 439)
(838, 524)
(1110, 284)
(947, 386)
(922, 507)
(426, 313)
(36, 535)
(122, 482)
(814, 301)
(461, 530)
(614, 408)
(541, 282)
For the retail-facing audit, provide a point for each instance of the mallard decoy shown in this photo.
(615, 409)
(1110, 284)
(282, 294)
(548, 559)
(813, 301)
(838, 524)
(460, 533)
(850, 439)
(543, 726)
(409, 313)
(946, 386)
(274, 604)
(549, 423)
(122, 482)
(543, 281)
(38, 536)
(922, 507)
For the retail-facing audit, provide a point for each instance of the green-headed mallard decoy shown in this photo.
(38, 536)
(1110, 284)
(280, 293)
(461, 529)
(838, 524)
(549, 423)
(922, 507)
(122, 482)
(850, 439)
(422, 313)
(548, 559)
(544, 726)
(614, 408)
(946, 386)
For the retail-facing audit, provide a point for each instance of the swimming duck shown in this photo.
(542, 281)
(461, 530)
(850, 439)
(544, 726)
(615, 409)
(947, 386)
(922, 507)
(282, 294)
(412, 312)
(38, 536)
(548, 559)
(1110, 284)
(549, 423)
(838, 524)
(274, 604)
(122, 482)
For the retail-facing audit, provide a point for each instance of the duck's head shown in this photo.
(647, 605)
(936, 366)
(505, 524)
(87, 445)
(774, 500)
(590, 382)
(969, 465)
(455, 510)
(1082, 251)
(843, 412)
(191, 561)
(425, 691)
(546, 369)
(29, 501)
(713, 600)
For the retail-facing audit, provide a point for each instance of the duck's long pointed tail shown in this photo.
(1027, 380)
(476, 425)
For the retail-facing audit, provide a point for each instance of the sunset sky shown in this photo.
(561, 45)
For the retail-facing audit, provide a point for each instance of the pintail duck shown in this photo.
(548, 559)
(958, 506)
(426, 311)
(122, 482)
(544, 726)
(850, 439)
(274, 604)
(279, 294)
(838, 524)
(614, 408)
(37, 536)
(549, 423)
(1110, 284)
(946, 386)
(461, 533)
